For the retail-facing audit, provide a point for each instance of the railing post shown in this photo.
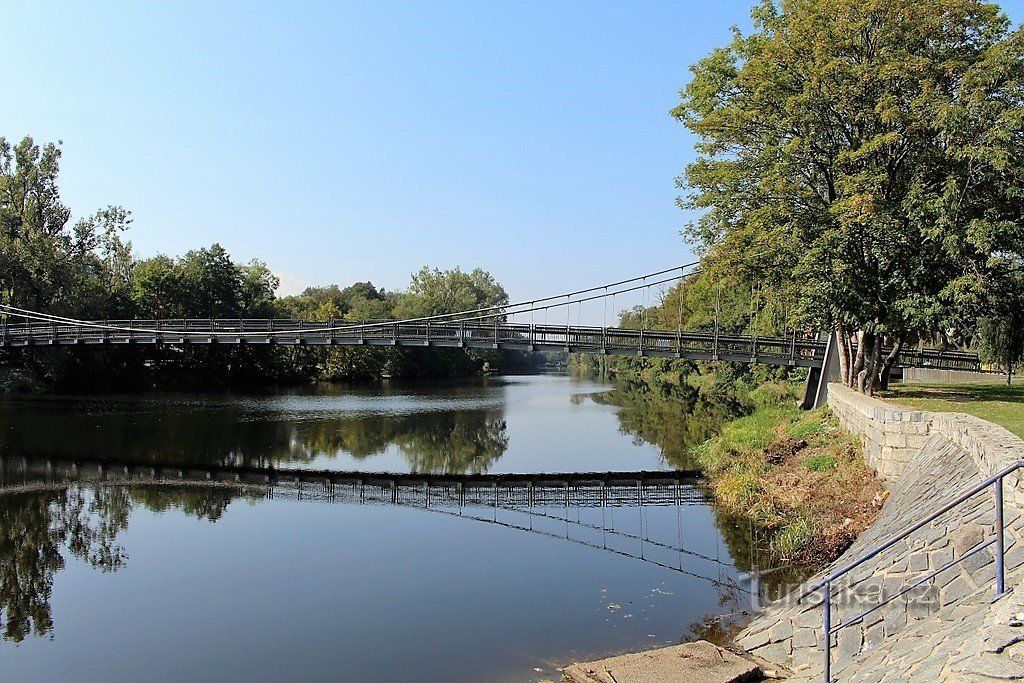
(1000, 569)
(792, 349)
(828, 631)
(428, 333)
(640, 343)
(495, 331)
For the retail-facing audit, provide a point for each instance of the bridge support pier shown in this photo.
(816, 391)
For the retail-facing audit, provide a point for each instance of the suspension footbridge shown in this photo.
(512, 327)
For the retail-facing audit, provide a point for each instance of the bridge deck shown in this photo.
(795, 350)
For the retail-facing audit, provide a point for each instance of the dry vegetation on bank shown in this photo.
(796, 474)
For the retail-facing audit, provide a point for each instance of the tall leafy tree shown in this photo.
(433, 292)
(1002, 329)
(46, 262)
(867, 153)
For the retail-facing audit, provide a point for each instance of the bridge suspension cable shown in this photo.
(485, 313)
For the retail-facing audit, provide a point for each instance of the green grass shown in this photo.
(742, 437)
(998, 403)
(820, 463)
(795, 474)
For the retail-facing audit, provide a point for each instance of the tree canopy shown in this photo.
(867, 155)
(84, 269)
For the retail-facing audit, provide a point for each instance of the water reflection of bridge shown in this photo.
(575, 507)
(587, 489)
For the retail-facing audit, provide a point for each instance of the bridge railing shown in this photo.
(795, 349)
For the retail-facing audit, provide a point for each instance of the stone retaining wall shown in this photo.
(936, 631)
(890, 436)
(893, 436)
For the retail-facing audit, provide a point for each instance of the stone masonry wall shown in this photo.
(947, 628)
(891, 436)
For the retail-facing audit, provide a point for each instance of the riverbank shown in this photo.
(795, 474)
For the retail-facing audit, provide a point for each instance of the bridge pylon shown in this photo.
(818, 378)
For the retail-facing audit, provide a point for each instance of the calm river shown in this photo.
(224, 580)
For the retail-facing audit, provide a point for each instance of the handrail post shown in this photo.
(1000, 569)
(792, 348)
(828, 631)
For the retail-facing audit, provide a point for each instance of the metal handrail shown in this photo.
(713, 345)
(995, 481)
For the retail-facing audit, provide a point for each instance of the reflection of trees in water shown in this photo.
(36, 530)
(674, 423)
(445, 443)
(207, 503)
(455, 441)
(40, 529)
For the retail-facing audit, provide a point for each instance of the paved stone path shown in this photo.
(946, 629)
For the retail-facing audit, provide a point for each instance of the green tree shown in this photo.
(1002, 330)
(434, 292)
(864, 154)
(46, 263)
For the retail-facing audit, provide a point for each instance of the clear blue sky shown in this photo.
(360, 141)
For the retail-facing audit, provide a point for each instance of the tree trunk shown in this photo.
(874, 365)
(844, 354)
(889, 361)
(858, 364)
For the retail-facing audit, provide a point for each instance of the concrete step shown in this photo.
(699, 662)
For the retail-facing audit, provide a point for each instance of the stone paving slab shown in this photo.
(700, 662)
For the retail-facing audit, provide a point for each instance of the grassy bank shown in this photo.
(995, 402)
(794, 473)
